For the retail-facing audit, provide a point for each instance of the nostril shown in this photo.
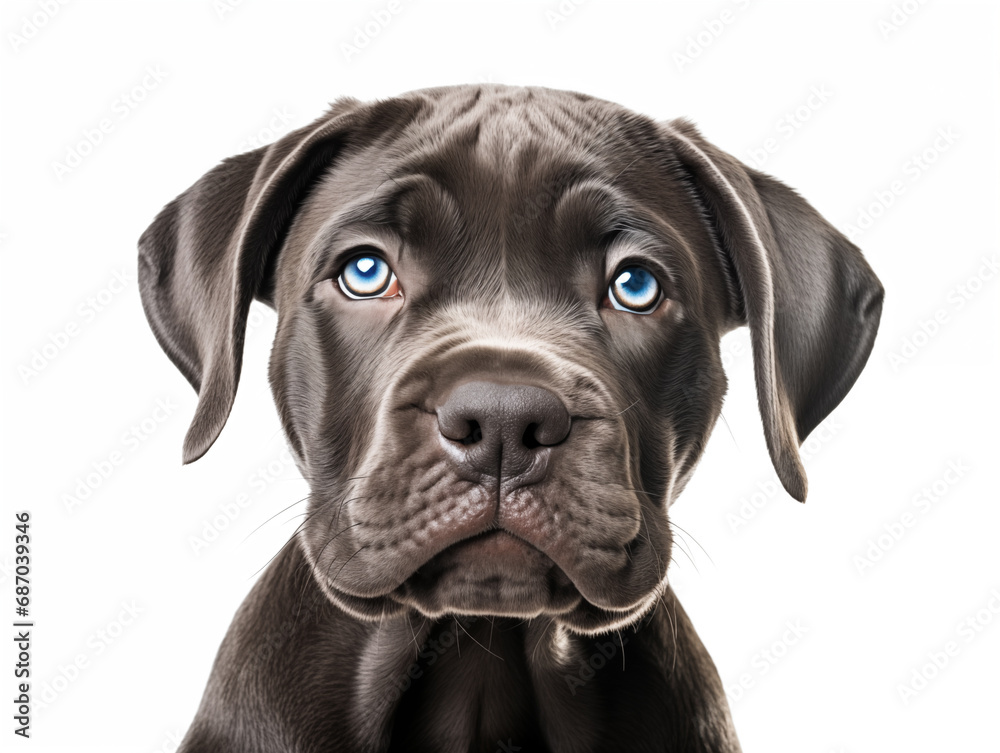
(501, 429)
(460, 429)
(475, 434)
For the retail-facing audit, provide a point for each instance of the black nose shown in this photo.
(502, 430)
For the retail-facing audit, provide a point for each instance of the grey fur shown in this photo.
(502, 211)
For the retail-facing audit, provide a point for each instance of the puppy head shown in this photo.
(497, 357)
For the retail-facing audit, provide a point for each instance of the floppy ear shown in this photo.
(212, 250)
(811, 300)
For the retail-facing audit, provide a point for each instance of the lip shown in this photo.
(492, 557)
(493, 572)
(497, 542)
(495, 550)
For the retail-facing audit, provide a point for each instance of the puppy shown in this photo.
(497, 364)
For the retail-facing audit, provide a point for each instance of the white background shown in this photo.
(889, 82)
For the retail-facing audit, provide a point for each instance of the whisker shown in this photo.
(345, 563)
(416, 646)
(621, 643)
(684, 550)
(274, 516)
(638, 491)
(305, 587)
(477, 642)
(656, 552)
(291, 538)
(674, 525)
(341, 508)
(635, 403)
(538, 643)
(673, 630)
(330, 541)
(733, 436)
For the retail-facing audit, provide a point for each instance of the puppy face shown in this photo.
(497, 355)
(504, 245)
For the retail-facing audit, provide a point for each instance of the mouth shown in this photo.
(494, 573)
(497, 573)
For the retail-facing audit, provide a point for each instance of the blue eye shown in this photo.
(635, 290)
(368, 277)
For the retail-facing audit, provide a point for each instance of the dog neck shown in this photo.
(409, 683)
(481, 684)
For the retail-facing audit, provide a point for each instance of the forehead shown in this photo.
(519, 146)
(505, 127)
(509, 153)
(500, 174)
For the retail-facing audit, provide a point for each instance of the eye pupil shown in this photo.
(635, 289)
(365, 264)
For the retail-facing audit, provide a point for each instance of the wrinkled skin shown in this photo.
(504, 214)
(493, 292)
